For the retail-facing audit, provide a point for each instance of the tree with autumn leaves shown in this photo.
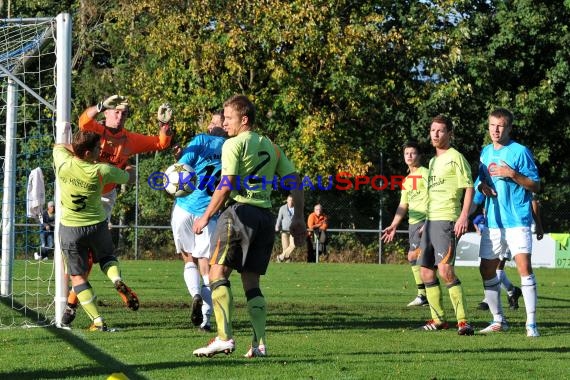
(340, 85)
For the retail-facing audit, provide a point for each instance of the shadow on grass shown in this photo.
(107, 363)
(555, 299)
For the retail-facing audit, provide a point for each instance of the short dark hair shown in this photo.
(219, 112)
(503, 113)
(412, 144)
(243, 106)
(83, 142)
(443, 119)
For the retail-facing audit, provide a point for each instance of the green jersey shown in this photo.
(415, 195)
(448, 175)
(255, 161)
(80, 184)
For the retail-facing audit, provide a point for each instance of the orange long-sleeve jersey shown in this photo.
(117, 148)
(317, 221)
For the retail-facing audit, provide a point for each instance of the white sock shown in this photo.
(493, 298)
(528, 287)
(207, 298)
(505, 282)
(192, 278)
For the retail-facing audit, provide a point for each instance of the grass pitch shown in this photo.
(326, 321)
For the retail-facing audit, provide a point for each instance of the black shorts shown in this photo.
(76, 242)
(244, 238)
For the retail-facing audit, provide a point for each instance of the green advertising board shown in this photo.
(562, 250)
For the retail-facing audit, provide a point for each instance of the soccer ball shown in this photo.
(181, 180)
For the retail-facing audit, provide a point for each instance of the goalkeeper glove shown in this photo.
(113, 102)
(164, 113)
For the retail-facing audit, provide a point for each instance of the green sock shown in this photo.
(435, 299)
(88, 301)
(418, 280)
(258, 313)
(111, 270)
(223, 302)
(457, 300)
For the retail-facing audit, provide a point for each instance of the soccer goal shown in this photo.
(35, 86)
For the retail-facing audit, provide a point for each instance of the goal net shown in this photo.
(35, 56)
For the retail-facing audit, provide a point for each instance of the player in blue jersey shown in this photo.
(513, 292)
(508, 177)
(204, 155)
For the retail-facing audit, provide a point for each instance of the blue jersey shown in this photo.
(480, 222)
(204, 155)
(478, 197)
(512, 205)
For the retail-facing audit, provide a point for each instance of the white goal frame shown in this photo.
(62, 109)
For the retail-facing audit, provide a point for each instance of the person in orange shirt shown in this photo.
(317, 223)
(117, 146)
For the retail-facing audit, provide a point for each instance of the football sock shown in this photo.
(207, 298)
(419, 284)
(257, 310)
(528, 287)
(72, 297)
(505, 282)
(88, 299)
(457, 300)
(223, 301)
(435, 299)
(111, 270)
(192, 278)
(493, 298)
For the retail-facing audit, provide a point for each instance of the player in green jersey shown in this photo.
(243, 239)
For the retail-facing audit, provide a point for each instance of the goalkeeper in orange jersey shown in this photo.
(117, 146)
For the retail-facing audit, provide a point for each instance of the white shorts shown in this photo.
(185, 239)
(497, 242)
(108, 201)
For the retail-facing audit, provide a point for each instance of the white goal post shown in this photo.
(21, 43)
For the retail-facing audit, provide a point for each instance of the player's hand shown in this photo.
(111, 103)
(165, 128)
(487, 190)
(388, 234)
(164, 113)
(131, 169)
(502, 170)
(461, 226)
(298, 230)
(199, 225)
(539, 233)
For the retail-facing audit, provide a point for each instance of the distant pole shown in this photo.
(137, 208)
(380, 213)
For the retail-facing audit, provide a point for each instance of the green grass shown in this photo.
(326, 321)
